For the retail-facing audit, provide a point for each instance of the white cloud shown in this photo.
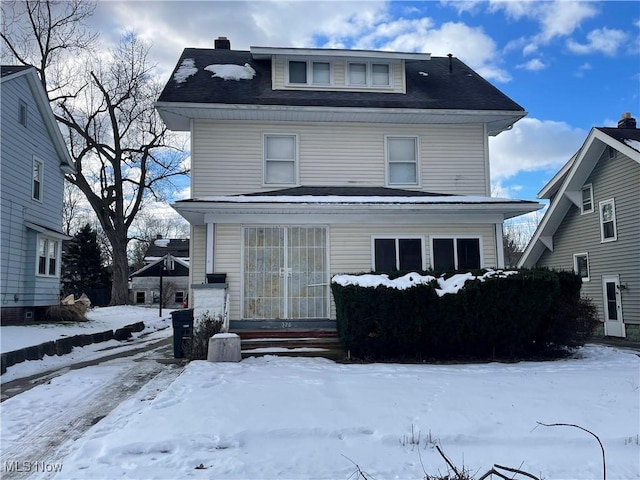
(600, 40)
(533, 65)
(533, 145)
(585, 67)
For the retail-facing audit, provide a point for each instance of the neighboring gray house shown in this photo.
(592, 225)
(311, 162)
(34, 161)
(169, 257)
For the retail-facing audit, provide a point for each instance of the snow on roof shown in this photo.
(354, 199)
(232, 72)
(635, 144)
(446, 285)
(162, 242)
(186, 69)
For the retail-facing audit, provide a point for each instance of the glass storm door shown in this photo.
(285, 273)
(613, 323)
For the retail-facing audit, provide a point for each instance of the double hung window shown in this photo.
(37, 178)
(587, 199)
(48, 253)
(608, 228)
(402, 160)
(280, 159)
(581, 265)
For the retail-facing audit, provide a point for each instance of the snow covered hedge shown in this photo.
(489, 315)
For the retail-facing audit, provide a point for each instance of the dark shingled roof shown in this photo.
(430, 85)
(178, 247)
(346, 192)
(6, 70)
(622, 134)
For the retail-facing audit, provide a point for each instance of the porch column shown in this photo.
(499, 246)
(209, 249)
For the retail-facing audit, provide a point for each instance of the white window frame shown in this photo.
(576, 256)
(602, 204)
(175, 296)
(265, 160)
(23, 113)
(455, 248)
(388, 161)
(40, 179)
(397, 239)
(310, 70)
(48, 256)
(588, 187)
(369, 74)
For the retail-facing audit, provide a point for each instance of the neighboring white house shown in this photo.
(34, 161)
(592, 225)
(311, 162)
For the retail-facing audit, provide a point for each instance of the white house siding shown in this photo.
(336, 154)
(617, 178)
(349, 250)
(18, 248)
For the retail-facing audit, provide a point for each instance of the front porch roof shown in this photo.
(344, 204)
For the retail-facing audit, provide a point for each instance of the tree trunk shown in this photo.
(120, 284)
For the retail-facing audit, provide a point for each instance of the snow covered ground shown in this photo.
(100, 319)
(302, 418)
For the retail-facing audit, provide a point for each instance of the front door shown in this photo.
(613, 323)
(285, 273)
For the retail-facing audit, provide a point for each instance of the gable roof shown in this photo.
(181, 268)
(12, 72)
(435, 87)
(177, 247)
(567, 184)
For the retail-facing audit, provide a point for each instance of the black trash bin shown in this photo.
(182, 327)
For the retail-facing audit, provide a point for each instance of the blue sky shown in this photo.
(571, 65)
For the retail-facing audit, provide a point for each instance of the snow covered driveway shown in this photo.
(40, 426)
(302, 418)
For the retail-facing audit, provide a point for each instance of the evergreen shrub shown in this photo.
(506, 317)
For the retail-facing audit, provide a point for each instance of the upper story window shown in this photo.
(22, 113)
(402, 160)
(608, 228)
(280, 159)
(393, 254)
(587, 199)
(37, 178)
(368, 74)
(48, 251)
(309, 73)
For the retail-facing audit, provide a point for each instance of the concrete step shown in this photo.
(292, 343)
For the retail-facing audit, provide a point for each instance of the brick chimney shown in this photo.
(222, 43)
(627, 121)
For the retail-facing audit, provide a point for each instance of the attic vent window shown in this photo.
(22, 113)
(232, 72)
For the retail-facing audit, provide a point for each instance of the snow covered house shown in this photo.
(592, 225)
(311, 162)
(34, 161)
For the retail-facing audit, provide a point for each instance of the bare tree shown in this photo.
(121, 147)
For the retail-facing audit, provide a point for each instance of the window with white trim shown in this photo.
(587, 199)
(397, 254)
(456, 253)
(22, 113)
(48, 256)
(367, 74)
(309, 73)
(402, 160)
(37, 179)
(581, 265)
(608, 228)
(280, 159)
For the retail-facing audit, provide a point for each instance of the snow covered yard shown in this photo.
(308, 418)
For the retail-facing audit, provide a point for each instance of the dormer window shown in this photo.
(309, 73)
(369, 74)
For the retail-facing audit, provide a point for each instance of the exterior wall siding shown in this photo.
(617, 178)
(230, 156)
(18, 147)
(349, 250)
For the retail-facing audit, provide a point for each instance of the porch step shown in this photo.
(299, 343)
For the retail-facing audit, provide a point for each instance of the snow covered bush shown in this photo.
(491, 315)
